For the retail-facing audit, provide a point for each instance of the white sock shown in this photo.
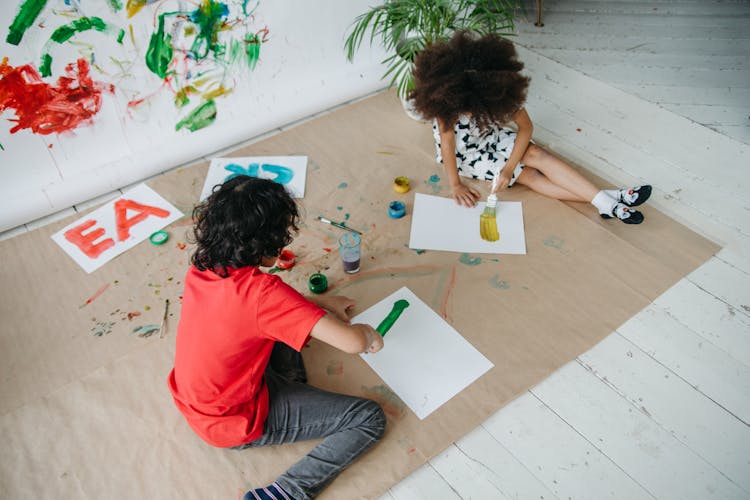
(626, 195)
(604, 202)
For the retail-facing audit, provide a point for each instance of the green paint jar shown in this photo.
(318, 283)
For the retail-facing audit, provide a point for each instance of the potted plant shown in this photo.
(405, 27)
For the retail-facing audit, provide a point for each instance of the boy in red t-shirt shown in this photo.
(238, 376)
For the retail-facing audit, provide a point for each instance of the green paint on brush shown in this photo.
(159, 53)
(26, 16)
(2, 148)
(203, 116)
(387, 323)
(120, 36)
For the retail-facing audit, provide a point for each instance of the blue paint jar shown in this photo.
(396, 209)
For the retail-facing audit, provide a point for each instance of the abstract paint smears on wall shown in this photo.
(47, 109)
(192, 53)
(197, 54)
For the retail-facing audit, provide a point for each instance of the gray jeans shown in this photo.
(300, 412)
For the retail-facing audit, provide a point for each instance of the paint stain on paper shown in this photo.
(387, 399)
(343, 185)
(335, 368)
(467, 259)
(145, 331)
(95, 296)
(556, 243)
(102, 328)
(47, 109)
(417, 251)
(496, 282)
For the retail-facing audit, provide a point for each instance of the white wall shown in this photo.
(302, 70)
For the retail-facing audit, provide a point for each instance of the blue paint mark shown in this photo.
(432, 182)
(277, 173)
(343, 185)
(346, 216)
(339, 208)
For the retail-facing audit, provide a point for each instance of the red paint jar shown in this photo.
(285, 260)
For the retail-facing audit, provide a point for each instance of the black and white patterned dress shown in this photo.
(480, 154)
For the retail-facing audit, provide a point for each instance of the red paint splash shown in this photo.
(96, 294)
(45, 108)
(329, 250)
(181, 245)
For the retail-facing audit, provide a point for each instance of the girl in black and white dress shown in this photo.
(472, 88)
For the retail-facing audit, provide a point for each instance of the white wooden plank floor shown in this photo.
(661, 408)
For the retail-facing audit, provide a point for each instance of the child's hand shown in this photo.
(374, 339)
(465, 195)
(502, 181)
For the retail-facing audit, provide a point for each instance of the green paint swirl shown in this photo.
(203, 116)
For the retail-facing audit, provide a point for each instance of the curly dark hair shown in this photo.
(244, 220)
(469, 75)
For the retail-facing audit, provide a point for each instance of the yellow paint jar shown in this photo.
(401, 184)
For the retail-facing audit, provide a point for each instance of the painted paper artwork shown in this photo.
(439, 224)
(119, 225)
(425, 361)
(291, 171)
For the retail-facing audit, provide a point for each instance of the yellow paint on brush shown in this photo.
(488, 226)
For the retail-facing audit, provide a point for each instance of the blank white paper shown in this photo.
(425, 361)
(439, 224)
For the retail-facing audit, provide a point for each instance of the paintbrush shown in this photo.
(488, 218)
(337, 224)
(162, 327)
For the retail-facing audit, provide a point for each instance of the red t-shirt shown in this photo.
(227, 330)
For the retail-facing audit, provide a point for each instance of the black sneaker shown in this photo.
(625, 214)
(635, 196)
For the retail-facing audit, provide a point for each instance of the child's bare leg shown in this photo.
(538, 182)
(548, 175)
(558, 173)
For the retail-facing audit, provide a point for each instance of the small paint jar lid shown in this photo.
(318, 283)
(396, 209)
(285, 260)
(401, 184)
(159, 237)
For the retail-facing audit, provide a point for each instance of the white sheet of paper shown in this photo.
(439, 224)
(425, 361)
(290, 171)
(105, 221)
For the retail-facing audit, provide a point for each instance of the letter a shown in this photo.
(121, 217)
